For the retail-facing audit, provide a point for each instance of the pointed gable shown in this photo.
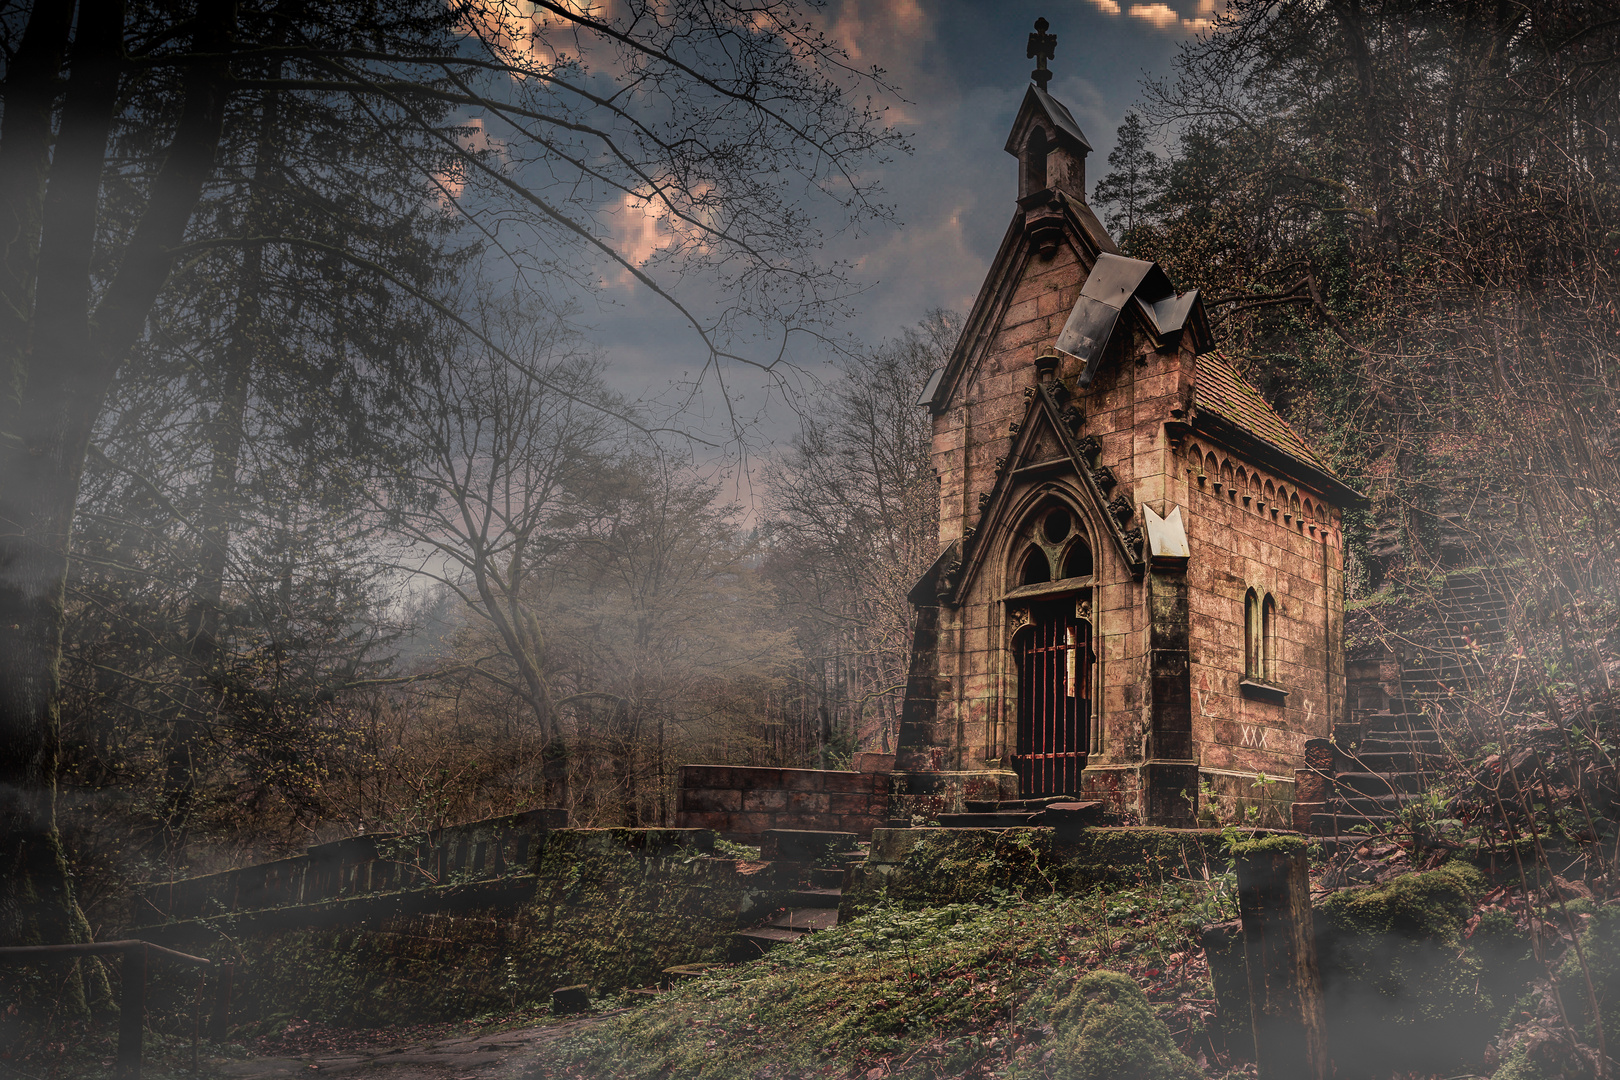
(1047, 445)
(1037, 106)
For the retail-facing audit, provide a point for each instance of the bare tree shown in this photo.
(509, 486)
(665, 614)
(119, 116)
(853, 512)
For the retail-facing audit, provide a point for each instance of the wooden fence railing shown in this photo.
(134, 957)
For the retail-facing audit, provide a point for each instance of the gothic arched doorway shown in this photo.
(1054, 658)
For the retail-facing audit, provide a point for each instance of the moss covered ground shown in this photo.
(959, 990)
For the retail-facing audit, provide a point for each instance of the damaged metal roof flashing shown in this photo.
(1115, 284)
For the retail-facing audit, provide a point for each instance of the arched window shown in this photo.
(1259, 637)
(1035, 161)
(1051, 546)
(1253, 649)
(1077, 562)
(1037, 567)
(1268, 639)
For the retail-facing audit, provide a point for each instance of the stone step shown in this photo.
(1367, 805)
(683, 972)
(788, 926)
(1398, 763)
(747, 944)
(804, 845)
(1073, 814)
(805, 919)
(1451, 676)
(1000, 820)
(983, 806)
(1335, 824)
(1380, 783)
(815, 897)
(1438, 668)
(1388, 721)
(1426, 740)
(826, 877)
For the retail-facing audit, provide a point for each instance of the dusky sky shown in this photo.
(961, 70)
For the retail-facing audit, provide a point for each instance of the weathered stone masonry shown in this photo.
(1140, 586)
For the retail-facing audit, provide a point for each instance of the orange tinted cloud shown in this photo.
(1161, 15)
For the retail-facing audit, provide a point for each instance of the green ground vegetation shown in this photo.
(948, 990)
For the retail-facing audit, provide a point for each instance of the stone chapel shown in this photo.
(1139, 597)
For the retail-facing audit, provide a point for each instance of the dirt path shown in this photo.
(501, 1055)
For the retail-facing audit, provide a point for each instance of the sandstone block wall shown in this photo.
(746, 801)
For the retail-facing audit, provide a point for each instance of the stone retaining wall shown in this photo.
(748, 802)
(382, 863)
(610, 908)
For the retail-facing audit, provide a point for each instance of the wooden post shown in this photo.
(196, 1015)
(131, 1013)
(219, 1024)
(1279, 946)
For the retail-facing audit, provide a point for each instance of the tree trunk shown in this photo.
(25, 153)
(225, 435)
(69, 360)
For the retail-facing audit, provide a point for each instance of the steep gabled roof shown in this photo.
(1038, 101)
(1225, 403)
(1085, 233)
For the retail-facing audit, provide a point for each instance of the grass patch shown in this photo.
(961, 989)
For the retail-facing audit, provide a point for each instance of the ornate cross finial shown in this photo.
(1042, 46)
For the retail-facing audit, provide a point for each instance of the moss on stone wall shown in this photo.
(1403, 984)
(611, 908)
(1268, 845)
(949, 866)
(1127, 856)
(932, 867)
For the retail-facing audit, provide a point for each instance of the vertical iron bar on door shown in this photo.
(1054, 698)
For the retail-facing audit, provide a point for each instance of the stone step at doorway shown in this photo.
(1061, 811)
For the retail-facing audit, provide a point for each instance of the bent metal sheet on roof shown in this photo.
(1115, 284)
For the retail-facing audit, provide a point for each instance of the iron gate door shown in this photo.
(1054, 700)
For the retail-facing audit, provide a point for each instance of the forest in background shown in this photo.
(365, 542)
(559, 611)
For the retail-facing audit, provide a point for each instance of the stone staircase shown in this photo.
(1387, 756)
(1378, 766)
(811, 907)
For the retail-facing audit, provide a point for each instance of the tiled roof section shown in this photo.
(1222, 390)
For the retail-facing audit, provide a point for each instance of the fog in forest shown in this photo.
(417, 413)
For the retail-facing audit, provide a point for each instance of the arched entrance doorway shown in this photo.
(1054, 661)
